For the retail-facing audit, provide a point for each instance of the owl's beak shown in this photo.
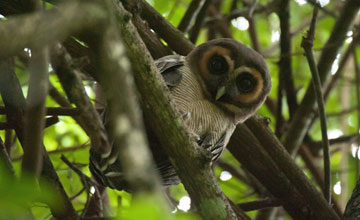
(220, 92)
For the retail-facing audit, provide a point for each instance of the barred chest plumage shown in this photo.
(201, 115)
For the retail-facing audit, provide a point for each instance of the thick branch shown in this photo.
(247, 149)
(88, 116)
(124, 117)
(160, 25)
(315, 200)
(190, 161)
(37, 31)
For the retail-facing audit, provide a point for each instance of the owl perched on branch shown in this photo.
(216, 86)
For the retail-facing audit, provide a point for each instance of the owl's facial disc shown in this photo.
(233, 75)
(242, 92)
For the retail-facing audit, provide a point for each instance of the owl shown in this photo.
(216, 86)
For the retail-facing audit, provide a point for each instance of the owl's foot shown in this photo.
(215, 147)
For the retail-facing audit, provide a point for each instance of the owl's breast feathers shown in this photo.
(190, 96)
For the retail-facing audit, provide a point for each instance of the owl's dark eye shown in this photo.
(217, 65)
(245, 82)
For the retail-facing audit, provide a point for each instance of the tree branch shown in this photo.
(260, 204)
(125, 123)
(15, 103)
(71, 82)
(191, 11)
(307, 44)
(35, 112)
(37, 31)
(173, 37)
(293, 172)
(199, 20)
(190, 161)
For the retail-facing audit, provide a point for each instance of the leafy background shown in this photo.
(66, 134)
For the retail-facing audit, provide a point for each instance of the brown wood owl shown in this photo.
(216, 86)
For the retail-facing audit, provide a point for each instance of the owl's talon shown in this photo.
(206, 140)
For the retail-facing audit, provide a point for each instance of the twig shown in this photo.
(77, 194)
(15, 103)
(302, 119)
(294, 32)
(194, 33)
(267, 8)
(260, 204)
(5, 159)
(86, 181)
(188, 16)
(71, 82)
(234, 172)
(37, 31)
(357, 89)
(57, 111)
(285, 63)
(307, 44)
(342, 112)
(326, 11)
(48, 122)
(60, 150)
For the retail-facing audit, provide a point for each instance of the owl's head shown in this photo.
(234, 76)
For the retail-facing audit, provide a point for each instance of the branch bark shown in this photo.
(307, 44)
(190, 161)
(88, 116)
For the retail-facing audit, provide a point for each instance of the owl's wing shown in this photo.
(168, 67)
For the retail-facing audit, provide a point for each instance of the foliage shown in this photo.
(66, 136)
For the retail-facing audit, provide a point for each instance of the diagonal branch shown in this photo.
(173, 37)
(191, 10)
(190, 161)
(88, 116)
(292, 171)
(307, 44)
